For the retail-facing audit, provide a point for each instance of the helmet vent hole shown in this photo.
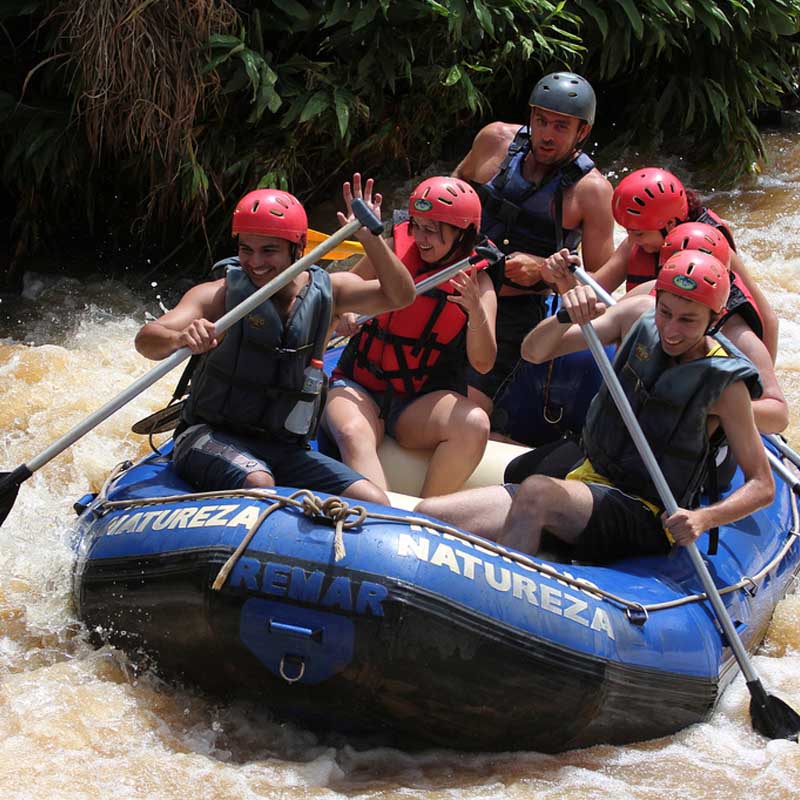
(255, 207)
(639, 202)
(446, 200)
(661, 187)
(649, 192)
(451, 191)
(276, 212)
(573, 94)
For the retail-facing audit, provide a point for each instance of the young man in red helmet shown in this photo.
(683, 385)
(402, 374)
(233, 432)
(540, 193)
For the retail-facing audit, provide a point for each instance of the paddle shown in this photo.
(484, 255)
(770, 716)
(11, 481)
(342, 250)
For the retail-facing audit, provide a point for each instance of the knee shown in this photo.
(434, 507)
(258, 480)
(351, 432)
(532, 494)
(368, 491)
(474, 430)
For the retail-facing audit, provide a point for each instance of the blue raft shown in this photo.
(410, 633)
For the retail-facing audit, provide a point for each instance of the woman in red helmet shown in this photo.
(235, 430)
(403, 373)
(649, 203)
(683, 384)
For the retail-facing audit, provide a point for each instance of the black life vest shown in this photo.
(250, 382)
(413, 349)
(671, 402)
(521, 216)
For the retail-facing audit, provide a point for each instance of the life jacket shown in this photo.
(251, 381)
(671, 402)
(413, 349)
(521, 216)
(741, 302)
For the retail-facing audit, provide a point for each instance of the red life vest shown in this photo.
(741, 302)
(401, 350)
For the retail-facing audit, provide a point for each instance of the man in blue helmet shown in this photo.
(540, 193)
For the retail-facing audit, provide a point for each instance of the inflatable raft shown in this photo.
(376, 621)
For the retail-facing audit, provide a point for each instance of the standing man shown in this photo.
(540, 193)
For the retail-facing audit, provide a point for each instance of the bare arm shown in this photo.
(551, 338)
(735, 412)
(613, 273)
(477, 297)
(393, 286)
(487, 151)
(593, 195)
(190, 324)
(768, 315)
(771, 409)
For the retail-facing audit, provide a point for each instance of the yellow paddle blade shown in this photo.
(344, 250)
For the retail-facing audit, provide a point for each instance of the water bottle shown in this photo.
(301, 416)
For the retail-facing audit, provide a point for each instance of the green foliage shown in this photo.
(692, 76)
(297, 93)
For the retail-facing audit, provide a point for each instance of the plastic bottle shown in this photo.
(302, 415)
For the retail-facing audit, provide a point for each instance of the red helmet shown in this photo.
(648, 199)
(696, 236)
(696, 276)
(449, 200)
(271, 212)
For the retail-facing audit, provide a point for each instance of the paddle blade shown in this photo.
(344, 250)
(772, 717)
(166, 419)
(9, 488)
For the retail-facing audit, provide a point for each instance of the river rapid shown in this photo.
(75, 722)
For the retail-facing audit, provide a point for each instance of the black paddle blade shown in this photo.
(9, 487)
(771, 717)
(166, 419)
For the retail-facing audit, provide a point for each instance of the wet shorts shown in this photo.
(395, 404)
(490, 382)
(211, 460)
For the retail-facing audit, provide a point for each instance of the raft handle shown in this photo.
(296, 661)
(295, 630)
(637, 615)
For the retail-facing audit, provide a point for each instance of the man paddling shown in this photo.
(685, 386)
(540, 193)
(233, 432)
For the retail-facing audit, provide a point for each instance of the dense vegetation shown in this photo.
(148, 118)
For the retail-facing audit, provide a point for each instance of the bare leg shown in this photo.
(455, 427)
(480, 511)
(366, 490)
(563, 507)
(351, 419)
(480, 399)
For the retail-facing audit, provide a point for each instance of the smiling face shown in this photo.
(649, 241)
(554, 136)
(434, 239)
(263, 257)
(682, 325)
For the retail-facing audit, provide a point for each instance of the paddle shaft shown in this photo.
(783, 448)
(437, 278)
(364, 217)
(665, 493)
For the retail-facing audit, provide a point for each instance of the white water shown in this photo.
(75, 723)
